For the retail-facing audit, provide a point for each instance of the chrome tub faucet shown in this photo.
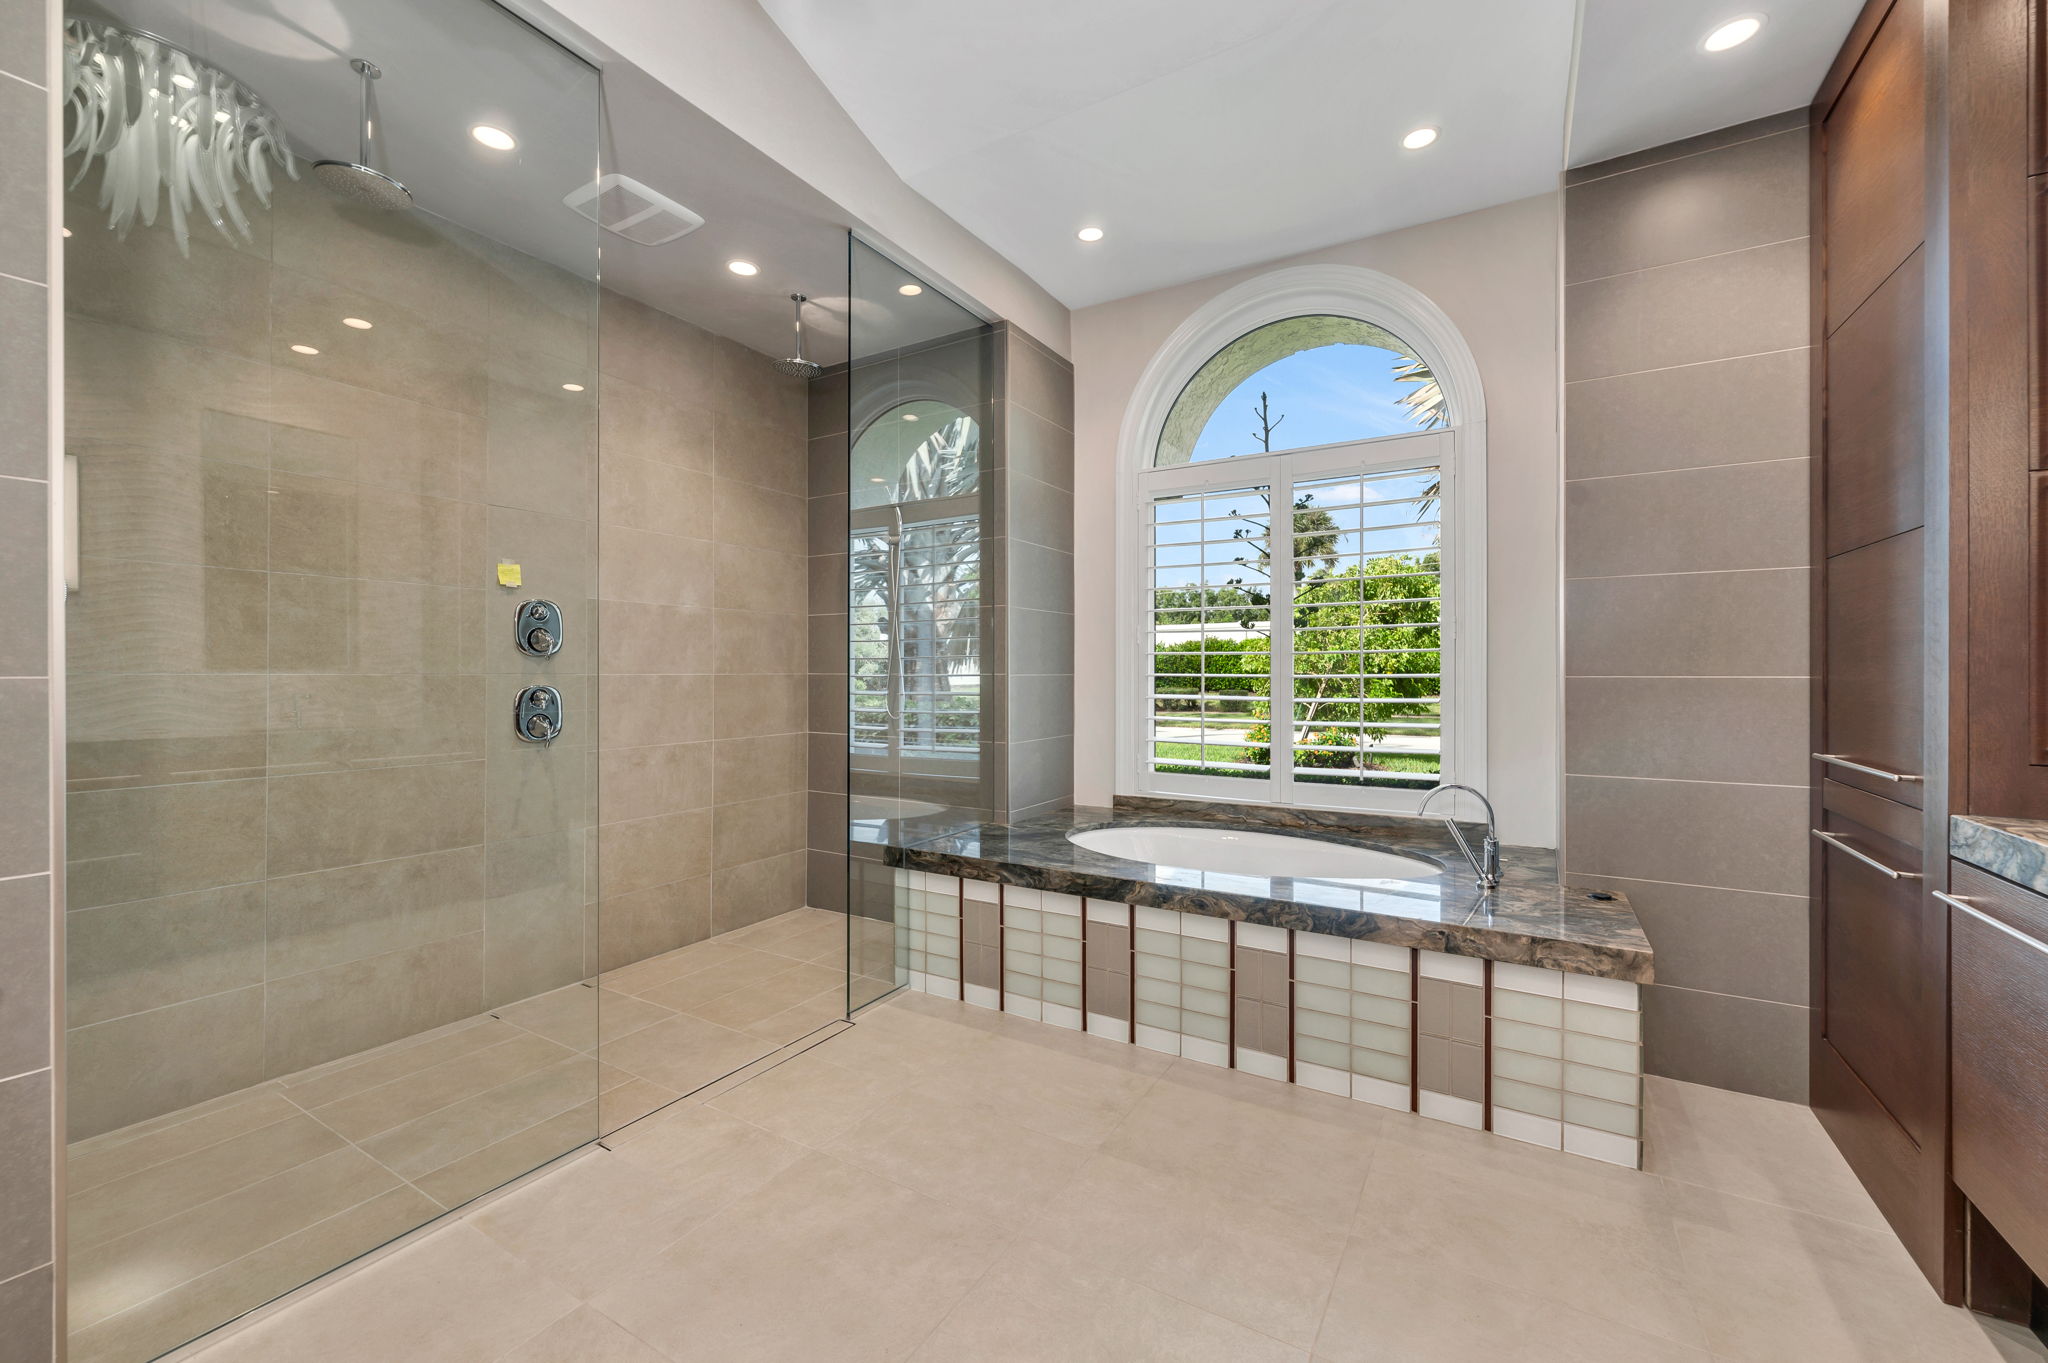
(1487, 864)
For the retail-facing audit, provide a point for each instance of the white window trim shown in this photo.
(1310, 290)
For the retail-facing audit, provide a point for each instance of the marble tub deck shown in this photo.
(2013, 849)
(1529, 919)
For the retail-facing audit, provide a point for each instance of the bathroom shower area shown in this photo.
(438, 749)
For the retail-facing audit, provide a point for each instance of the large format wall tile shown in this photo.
(1688, 832)
(1680, 728)
(1727, 1041)
(151, 953)
(343, 818)
(1721, 941)
(25, 984)
(24, 375)
(1687, 625)
(163, 840)
(1752, 193)
(141, 1066)
(1743, 303)
(1740, 411)
(1688, 521)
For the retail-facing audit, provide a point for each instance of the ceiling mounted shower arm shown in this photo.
(366, 137)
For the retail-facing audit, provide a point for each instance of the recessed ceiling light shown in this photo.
(1420, 138)
(910, 290)
(572, 387)
(1734, 33)
(358, 323)
(305, 350)
(910, 416)
(497, 139)
(183, 81)
(877, 480)
(67, 231)
(1090, 234)
(743, 267)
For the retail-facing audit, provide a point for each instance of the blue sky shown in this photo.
(1331, 393)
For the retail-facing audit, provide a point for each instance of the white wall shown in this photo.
(1495, 273)
(729, 59)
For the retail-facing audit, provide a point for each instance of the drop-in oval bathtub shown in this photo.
(1231, 851)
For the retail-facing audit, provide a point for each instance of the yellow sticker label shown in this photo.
(508, 575)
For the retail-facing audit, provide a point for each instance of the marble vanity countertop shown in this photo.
(2013, 849)
(1529, 919)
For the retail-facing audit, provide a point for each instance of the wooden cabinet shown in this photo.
(1879, 1080)
(1999, 935)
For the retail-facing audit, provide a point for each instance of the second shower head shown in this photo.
(796, 366)
(359, 181)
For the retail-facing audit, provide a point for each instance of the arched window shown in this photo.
(1302, 550)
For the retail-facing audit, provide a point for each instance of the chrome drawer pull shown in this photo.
(1984, 917)
(1864, 857)
(1879, 772)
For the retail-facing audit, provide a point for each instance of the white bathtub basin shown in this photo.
(1232, 852)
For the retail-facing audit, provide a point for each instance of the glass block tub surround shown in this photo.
(1517, 1012)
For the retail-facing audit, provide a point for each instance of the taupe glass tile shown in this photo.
(640, 494)
(1742, 303)
(1694, 520)
(1750, 194)
(24, 366)
(755, 768)
(751, 515)
(1651, 830)
(636, 637)
(325, 1014)
(25, 1233)
(149, 953)
(146, 1064)
(1688, 625)
(1740, 411)
(644, 711)
(748, 642)
(760, 705)
(1750, 1045)
(162, 840)
(337, 721)
(638, 783)
(344, 818)
(647, 852)
(755, 829)
(328, 624)
(763, 579)
(1689, 728)
(161, 617)
(662, 570)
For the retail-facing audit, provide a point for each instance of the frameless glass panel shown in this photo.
(1297, 383)
(919, 388)
(332, 406)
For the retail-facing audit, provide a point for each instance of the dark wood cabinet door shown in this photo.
(1877, 413)
(1999, 1040)
(1875, 178)
(1876, 647)
(1881, 1014)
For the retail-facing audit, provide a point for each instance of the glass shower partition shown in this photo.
(920, 486)
(331, 642)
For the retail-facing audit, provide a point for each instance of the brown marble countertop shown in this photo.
(1529, 919)
(2013, 849)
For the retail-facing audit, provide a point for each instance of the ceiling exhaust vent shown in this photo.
(621, 204)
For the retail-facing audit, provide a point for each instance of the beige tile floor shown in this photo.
(937, 1183)
(181, 1222)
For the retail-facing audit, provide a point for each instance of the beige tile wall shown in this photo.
(703, 577)
(301, 824)
(28, 1244)
(1686, 320)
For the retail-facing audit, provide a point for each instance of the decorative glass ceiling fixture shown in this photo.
(169, 128)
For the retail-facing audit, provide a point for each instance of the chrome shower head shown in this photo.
(796, 366)
(359, 181)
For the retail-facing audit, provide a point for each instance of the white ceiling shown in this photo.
(1207, 135)
(1643, 80)
(1201, 134)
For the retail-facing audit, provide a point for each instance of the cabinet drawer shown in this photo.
(1876, 651)
(1999, 1042)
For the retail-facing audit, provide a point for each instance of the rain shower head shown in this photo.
(796, 366)
(358, 181)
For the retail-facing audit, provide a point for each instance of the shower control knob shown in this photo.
(538, 628)
(540, 726)
(538, 718)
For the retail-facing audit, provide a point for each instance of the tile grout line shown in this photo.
(1689, 260)
(1689, 468)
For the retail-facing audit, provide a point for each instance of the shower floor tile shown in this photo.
(182, 1222)
(830, 1205)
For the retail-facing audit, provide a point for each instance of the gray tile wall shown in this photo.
(1033, 586)
(28, 1247)
(1686, 448)
(825, 866)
